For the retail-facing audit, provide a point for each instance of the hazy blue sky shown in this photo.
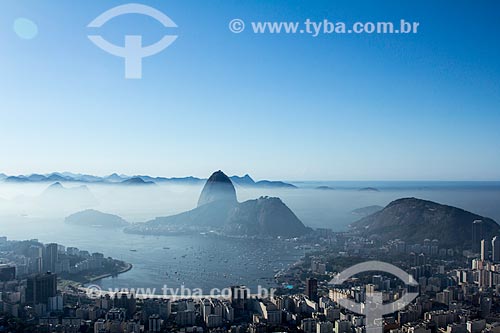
(355, 107)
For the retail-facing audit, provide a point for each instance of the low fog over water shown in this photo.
(328, 208)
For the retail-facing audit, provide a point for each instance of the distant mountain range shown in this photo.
(413, 220)
(218, 209)
(244, 181)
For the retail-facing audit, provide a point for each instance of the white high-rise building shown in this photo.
(495, 249)
(484, 250)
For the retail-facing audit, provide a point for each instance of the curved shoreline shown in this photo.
(127, 268)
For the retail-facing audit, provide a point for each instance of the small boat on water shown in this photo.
(133, 250)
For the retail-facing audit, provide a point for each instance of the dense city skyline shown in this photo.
(228, 166)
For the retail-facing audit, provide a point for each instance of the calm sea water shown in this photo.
(211, 262)
(197, 261)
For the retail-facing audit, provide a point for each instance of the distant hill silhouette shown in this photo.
(365, 211)
(274, 184)
(91, 217)
(54, 188)
(16, 179)
(414, 220)
(369, 189)
(136, 181)
(58, 194)
(246, 180)
(324, 188)
(115, 178)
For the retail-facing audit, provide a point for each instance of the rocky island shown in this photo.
(96, 219)
(219, 210)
